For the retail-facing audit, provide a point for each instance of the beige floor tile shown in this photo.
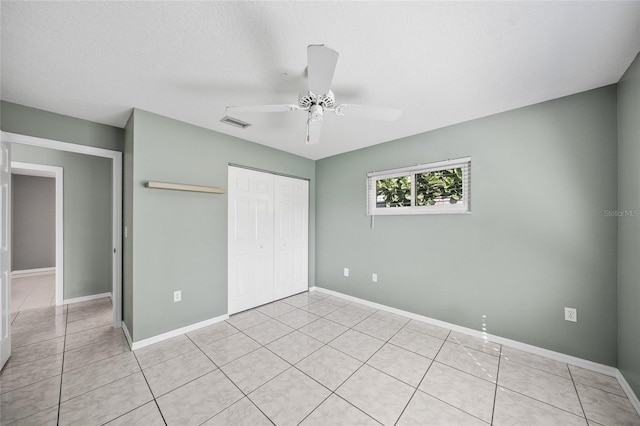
(168, 375)
(514, 409)
(254, 369)
(329, 366)
(545, 387)
(377, 394)
(477, 343)
(164, 351)
(36, 351)
(336, 411)
(268, 331)
(107, 402)
(298, 318)
(95, 352)
(378, 328)
(324, 330)
(425, 328)
(356, 344)
(92, 376)
(425, 410)
(294, 346)
(596, 380)
(320, 308)
(606, 408)
(420, 343)
(22, 375)
(241, 413)
(48, 417)
(147, 415)
(230, 348)
(404, 365)
(536, 361)
(199, 400)
(91, 336)
(469, 393)
(212, 333)
(247, 319)
(29, 400)
(469, 360)
(275, 397)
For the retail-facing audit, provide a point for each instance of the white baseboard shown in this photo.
(86, 298)
(172, 333)
(33, 272)
(627, 389)
(578, 362)
(127, 335)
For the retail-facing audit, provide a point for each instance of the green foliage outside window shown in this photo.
(442, 186)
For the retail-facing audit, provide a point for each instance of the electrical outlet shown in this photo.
(571, 314)
(374, 278)
(177, 296)
(346, 272)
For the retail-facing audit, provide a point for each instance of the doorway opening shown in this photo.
(38, 229)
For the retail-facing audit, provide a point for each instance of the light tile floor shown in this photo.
(309, 360)
(33, 292)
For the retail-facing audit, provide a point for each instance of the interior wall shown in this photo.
(181, 237)
(127, 223)
(537, 240)
(629, 225)
(87, 190)
(33, 228)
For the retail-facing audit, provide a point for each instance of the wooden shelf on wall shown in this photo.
(184, 187)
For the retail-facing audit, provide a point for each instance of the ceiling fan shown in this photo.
(321, 65)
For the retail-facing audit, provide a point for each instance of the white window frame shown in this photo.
(464, 206)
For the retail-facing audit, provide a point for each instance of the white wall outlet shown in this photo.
(177, 296)
(571, 314)
(374, 278)
(346, 272)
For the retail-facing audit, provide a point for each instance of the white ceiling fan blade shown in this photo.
(321, 64)
(314, 129)
(263, 108)
(368, 112)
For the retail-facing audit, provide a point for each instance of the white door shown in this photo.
(250, 233)
(291, 239)
(5, 253)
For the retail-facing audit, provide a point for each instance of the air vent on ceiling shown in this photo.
(234, 122)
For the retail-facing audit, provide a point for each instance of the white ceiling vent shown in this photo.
(235, 122)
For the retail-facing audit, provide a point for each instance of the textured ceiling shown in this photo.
(441, 62)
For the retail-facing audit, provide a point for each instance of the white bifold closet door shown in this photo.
(267, 237)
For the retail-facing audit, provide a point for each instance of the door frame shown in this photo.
(116, 203)
(57, 173)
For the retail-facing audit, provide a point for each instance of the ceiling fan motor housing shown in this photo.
(325, 101)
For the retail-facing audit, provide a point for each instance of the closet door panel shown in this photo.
(250, 237)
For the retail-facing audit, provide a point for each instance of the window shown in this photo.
(442, 187)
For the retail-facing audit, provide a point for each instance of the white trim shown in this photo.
(33, 272)
(579, 362)
(127, 335)
(56, 172)
(462, 207)
(177, 332)
(116, 203)
(627, 389)
(86, 298)
(438, 165)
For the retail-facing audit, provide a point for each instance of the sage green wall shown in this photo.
(87, 190)
(181, 237)
(44, 124)
(127, 222)
(629, 226)
(537, 240)
(87, 217)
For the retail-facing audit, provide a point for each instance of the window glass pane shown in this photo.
(442, 187)
(393, 192)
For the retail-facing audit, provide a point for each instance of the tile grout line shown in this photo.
(495, 392)
(155, 400)
(64, 345)
(577, 394)
(228, 378)
(420, 382)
